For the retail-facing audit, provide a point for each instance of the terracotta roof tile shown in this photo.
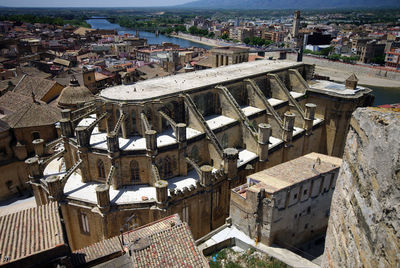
(170, 240)
(39, 86)
(12, 101)
(29, 232)
(4, 126)
(33, 114)
(174, 247)
(152, 71)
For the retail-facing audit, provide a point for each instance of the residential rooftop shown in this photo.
(164, 243)
(35, 231)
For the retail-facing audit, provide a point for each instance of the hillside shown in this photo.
(290, 4)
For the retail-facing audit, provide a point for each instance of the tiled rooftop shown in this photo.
(29, 232)
(174, 247)
(170, 244)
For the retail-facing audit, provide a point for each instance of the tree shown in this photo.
(335, 57)
(225, 36)
(326, 51)
(379, 59)
(193, 30)
(169, 30)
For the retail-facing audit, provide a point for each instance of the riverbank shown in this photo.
(152, 38)
(201, 40)
(341, 76)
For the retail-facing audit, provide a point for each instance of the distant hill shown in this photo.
(290, 4)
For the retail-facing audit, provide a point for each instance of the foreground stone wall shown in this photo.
(364, 225)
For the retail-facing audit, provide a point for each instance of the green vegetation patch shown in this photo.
(250, 258)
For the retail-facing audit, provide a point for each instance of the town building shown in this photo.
(178, 144)
(296, 24)
(24, 119)
(43, 89)
(229, 55)
(36, 237)
(367, 49)
(392, 59)
(287, 204)
(295, 38)
(240, 33)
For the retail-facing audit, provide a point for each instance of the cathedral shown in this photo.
(137, 153)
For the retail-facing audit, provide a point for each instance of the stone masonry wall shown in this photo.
(364, 225)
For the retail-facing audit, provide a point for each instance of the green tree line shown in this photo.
(28, 18)
(327, 52)
(257, 41)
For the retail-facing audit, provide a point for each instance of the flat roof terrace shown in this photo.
(180, 83)
(294, 171)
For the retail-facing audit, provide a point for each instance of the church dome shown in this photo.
(74, 94)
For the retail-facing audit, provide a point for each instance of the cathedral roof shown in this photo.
(74, 94)
(185, 82)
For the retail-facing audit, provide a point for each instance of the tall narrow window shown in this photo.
(167, 167)
(195, 154)
(216, 197)
(134, 128)
(100, 169)
(185, 213)
(84, 223)
(224, 141)
(254, 125)
(135, 171)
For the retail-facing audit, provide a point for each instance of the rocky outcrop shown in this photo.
(364, 225)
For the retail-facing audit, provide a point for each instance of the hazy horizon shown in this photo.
(90, 3)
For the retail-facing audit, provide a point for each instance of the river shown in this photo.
(383, 95)
(151, 37)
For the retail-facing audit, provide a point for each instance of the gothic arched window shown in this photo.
(135, 171)
(195, 154)
(167, 167)
(100, 169)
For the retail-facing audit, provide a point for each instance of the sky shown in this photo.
(90, 3)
